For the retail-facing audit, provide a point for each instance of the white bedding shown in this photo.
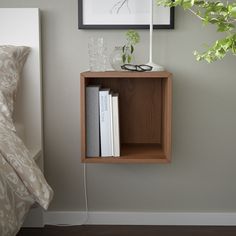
(21, 181)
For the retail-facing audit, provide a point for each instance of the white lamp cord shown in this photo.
(86, 200)
(85, 195)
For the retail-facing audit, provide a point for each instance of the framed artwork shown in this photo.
(123, 14)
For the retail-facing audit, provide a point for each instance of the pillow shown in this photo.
(5, 115)
(12, 60)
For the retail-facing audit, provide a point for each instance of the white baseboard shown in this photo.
(139, 218)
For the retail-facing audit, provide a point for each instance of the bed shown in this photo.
(22, 183)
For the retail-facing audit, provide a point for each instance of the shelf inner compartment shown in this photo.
(140, 107)
(144, 115)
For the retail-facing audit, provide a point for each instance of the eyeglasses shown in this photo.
(139, 68)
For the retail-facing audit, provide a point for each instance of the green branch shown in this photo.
(220, 14)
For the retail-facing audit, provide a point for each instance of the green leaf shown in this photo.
(129, 58)
(233, 11)
(123, 48)
(213, 20)
(132, 37)
(199, 3)
(132, 49)
(124, 58)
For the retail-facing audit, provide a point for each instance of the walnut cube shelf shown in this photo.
(145, 105)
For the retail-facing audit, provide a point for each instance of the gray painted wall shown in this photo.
(202, 174)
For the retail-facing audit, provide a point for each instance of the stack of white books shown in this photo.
(102, 122)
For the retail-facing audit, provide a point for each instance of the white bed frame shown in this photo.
(21, 26)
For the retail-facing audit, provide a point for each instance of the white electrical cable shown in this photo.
(85, 198)
(85, 195)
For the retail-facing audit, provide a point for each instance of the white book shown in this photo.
(115, 125)
(105, 122)
(92, 121)
(111, 115)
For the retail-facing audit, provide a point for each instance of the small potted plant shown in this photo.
(125, 54)
(132, 38)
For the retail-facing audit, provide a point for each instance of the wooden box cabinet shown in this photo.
(145, 105)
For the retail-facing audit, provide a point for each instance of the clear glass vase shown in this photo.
(116, 58)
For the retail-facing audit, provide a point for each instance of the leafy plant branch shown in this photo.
(132, 38)
(221, 14)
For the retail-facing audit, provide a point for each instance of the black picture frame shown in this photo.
(81, 24)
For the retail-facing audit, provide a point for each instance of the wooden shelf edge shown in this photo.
(126, 74)
(121, 160)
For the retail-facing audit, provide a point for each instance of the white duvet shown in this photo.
(21, 181)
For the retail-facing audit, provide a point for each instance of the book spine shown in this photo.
(116, 128)
(111, 115)
(92, 122)
(105, 124)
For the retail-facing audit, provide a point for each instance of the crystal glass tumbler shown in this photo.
(97, 51)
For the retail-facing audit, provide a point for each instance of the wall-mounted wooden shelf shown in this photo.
(145, 105)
